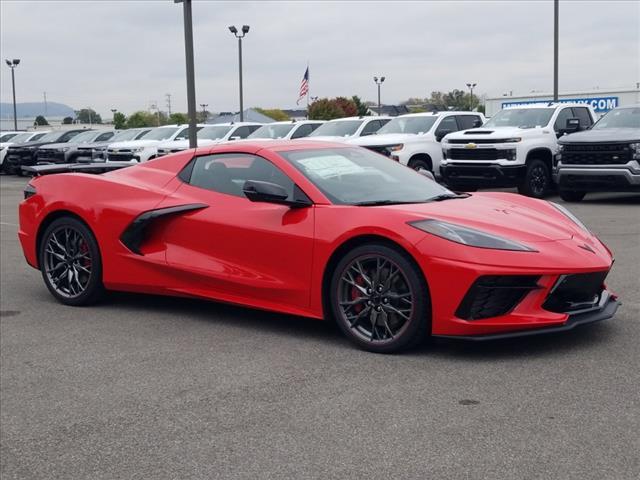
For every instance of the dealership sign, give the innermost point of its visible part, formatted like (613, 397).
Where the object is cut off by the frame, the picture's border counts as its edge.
(599, 104)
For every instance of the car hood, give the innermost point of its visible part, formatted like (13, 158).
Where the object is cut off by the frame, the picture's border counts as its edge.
(35, 144)
(504, 214)
(135, 144)
(53, 146)
(600, 135)
(384, 139)
(492, 133)
(328, 138)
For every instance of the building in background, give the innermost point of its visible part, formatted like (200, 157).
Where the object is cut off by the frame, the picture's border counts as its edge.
(601, 100)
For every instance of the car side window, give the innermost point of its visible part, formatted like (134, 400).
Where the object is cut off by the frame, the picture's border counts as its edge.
(448, 124)
(302, 131)
(583, 115)
(227, 173)
(372, 127)
(465, 122)
(68, 136)
(561, 120)
(105, 136)
(242, 132)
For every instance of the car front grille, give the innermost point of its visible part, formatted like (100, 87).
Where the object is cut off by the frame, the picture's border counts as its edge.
(575, 292)
(463, 141)
(476, 154)
(119, 156)
(598, 154)
(495, 295)
(49, 156)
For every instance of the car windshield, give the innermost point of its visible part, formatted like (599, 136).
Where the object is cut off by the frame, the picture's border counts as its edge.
(356, 176)
(620, 118)
(272, 131)
(414, 125)
(51, 137)
(85, 137)
(520, 117)
(163, 133)
(7, 136)
(22, 137)
(343, 128)
(213, 133)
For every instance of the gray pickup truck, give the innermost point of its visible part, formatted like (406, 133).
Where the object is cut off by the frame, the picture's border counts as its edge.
(605, 158)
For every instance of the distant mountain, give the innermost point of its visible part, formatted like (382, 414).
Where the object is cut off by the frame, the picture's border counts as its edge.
(33, 109)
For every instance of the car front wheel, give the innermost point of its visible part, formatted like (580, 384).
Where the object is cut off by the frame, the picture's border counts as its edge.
(537, 180)
(571, 195)
(70, 262)
(379, 299)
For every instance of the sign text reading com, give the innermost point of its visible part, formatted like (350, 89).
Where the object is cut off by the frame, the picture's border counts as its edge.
(599, 104)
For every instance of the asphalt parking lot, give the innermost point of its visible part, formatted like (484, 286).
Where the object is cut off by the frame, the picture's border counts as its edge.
(154, 388)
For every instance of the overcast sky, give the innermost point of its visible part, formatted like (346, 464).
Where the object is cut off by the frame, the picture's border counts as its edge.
(126, 54)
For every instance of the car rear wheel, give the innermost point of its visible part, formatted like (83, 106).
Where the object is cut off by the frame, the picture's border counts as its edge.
(537, 180)
(380, 300)
(70, 262)
(571, 195)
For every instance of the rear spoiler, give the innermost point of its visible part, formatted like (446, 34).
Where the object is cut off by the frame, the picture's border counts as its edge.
(96, 168)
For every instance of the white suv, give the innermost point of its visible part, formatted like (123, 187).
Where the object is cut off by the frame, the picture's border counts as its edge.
(515, 148)
(210, 134)
(342, 129)
(21, 137)
(414, 139)
(289, 130)
(138, 151)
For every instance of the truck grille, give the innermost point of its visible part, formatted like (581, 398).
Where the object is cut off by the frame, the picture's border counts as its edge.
(495, 295)
(476, 154)
(599, 154)
(44, 155)
(119, 156)
(575, 292)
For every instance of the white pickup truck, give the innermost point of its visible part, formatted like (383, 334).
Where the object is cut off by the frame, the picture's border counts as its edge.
(515, 148)
(414, 139)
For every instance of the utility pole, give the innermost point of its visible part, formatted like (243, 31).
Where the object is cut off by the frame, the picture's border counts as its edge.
(471, 87)
(204, 111)
(168, 95)
(191, 85)
(45, 103)
(556, 14)
(245, 30)
(379, 84)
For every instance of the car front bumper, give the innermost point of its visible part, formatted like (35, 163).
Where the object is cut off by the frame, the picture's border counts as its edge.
(590, 179)
(479, 174)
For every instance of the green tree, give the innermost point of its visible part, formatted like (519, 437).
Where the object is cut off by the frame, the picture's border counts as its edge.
(142, 119)
(361, 108)
(67, 121)
(275, 113)
(349, 107)
(325, 109)
(40, 120)
(119, 120)
(178, 118)
(88, 115)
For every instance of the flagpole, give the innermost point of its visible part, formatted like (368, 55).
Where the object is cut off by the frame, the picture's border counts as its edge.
(308, 89)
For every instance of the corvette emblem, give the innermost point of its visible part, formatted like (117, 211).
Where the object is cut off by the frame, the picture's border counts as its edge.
(470, 145)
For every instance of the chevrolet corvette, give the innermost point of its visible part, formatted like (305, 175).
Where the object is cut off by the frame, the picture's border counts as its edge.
(320, 230)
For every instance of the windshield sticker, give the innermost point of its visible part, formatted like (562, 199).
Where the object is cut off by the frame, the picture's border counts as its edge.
(330, 166)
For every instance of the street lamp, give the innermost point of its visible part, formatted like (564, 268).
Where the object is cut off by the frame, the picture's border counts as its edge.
(240, 36)
(379, 83)
(471, 87)
(204, 111)
(12, 65)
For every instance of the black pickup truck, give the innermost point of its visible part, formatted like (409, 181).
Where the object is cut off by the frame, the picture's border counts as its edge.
(605, 158)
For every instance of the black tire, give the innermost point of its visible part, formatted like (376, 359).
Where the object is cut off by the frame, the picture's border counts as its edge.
(571, 195)
(18, 171)
(381, 320)
(537, 180)
(73, 256)
(420, 163)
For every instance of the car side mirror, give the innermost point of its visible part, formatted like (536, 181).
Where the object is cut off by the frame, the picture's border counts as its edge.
(441, 134)
(268, 192)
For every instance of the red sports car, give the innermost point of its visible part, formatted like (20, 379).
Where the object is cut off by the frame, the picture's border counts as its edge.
(320, 230)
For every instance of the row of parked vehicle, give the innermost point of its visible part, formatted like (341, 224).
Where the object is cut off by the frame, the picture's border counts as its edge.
(533, 147)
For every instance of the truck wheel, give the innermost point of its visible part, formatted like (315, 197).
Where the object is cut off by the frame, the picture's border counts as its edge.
(536, 181)
(418, 164)
(571, 195)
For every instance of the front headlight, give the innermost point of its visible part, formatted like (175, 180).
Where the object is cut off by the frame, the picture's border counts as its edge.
(395, 148)
(64, 149)
(635, 150)
(570, 216)
(468, 236)
(445, 140)
(137, 149)
(560, 148)
(513, 140)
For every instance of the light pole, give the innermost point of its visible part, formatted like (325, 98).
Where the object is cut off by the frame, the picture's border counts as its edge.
(556, 15)
(191, 83)
(471, 87)
(379, 83)
(12, 65)
(204, 111)
(240, 36)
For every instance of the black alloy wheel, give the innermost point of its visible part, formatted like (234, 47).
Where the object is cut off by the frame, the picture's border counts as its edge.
(537, 181)
(70, 262)
(379, 299)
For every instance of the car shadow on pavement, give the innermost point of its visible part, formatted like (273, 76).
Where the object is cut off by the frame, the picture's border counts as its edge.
(613, 199)
(327, 332)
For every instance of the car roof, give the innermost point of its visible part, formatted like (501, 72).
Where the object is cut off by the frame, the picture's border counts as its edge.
(376, 117)
(439, 113)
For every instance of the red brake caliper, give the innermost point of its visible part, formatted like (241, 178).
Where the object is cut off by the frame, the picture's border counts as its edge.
(355, 293)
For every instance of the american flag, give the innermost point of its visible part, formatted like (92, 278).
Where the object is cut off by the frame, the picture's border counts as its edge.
(304, 86)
